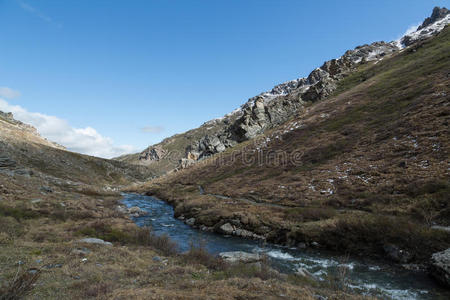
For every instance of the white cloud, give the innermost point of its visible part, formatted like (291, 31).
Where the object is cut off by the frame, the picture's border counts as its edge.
(153, 129)
(6, 92)
(83, 140)
(27, 7)
(410, 30)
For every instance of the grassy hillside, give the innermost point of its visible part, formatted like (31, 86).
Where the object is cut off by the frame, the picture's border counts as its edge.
(356, 172)
(50, 199)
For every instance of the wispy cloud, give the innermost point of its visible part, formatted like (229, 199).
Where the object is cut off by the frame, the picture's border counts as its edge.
(8, 93)
(83, 140)
(153, 129)
(33, 10)
(410, 30)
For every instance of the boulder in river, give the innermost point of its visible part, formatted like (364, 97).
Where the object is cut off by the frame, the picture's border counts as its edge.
(240, 256)
(227, 228)
(136, 212)
(440, 266)
(190, 221)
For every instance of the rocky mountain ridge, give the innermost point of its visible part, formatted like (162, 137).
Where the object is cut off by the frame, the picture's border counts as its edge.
(284, 101)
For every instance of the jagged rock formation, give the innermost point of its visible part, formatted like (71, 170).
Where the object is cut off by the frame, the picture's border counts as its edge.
(270, 109)
(432, 25)
(275, 107)
(152, 154)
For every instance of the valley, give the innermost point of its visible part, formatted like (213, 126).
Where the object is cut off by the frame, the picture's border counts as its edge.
(332, 186)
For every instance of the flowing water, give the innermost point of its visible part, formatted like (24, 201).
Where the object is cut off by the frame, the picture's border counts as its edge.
(365, 276)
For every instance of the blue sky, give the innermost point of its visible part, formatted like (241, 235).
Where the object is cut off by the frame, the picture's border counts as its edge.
(117, 67)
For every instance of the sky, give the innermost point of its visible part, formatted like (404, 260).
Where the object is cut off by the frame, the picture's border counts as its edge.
(112, 77)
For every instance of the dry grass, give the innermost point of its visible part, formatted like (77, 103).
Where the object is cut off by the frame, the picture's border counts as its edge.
(22, 285)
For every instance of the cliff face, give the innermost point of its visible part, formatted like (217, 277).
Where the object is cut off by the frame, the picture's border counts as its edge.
(275, 107)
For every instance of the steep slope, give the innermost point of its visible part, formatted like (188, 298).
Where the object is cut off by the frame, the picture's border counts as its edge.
(364, 171)
(272, 108)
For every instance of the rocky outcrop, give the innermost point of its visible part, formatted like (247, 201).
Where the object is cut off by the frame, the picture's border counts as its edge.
(431, 26)
(186, 163)
(440, 267)
(270, 109)
(284, 101)
(152, 154)
(437, 14)
(229, 229)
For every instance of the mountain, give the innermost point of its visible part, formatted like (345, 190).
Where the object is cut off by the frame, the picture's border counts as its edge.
(353, 158)
(272, 108)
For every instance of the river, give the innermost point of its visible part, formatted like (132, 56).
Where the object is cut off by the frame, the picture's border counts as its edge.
(365, 276)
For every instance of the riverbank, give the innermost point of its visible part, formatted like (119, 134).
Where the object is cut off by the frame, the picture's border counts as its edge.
(362, 275)
(398, 240)
(80, 245)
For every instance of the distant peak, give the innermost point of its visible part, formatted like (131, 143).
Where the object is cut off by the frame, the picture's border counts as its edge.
(438, 14)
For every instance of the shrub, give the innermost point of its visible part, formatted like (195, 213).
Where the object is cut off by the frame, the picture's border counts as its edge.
(18, 213)
(198, 254)
(305, 214)
(20, 286)
(371, 232)
(137, 236)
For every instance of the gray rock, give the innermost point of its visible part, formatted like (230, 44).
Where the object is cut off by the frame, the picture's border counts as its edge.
(226, 228)
(437, 14)
(440, 267)
(302, 272)
(190, 221)
(94, 241)
(186, 163)
(80, 251)
(6, 162)
(24, 172)
(156, 258)
(240, 256)
(136, 212)
(122, 209)
(396, 254)
(153, 154)
(46, 189)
